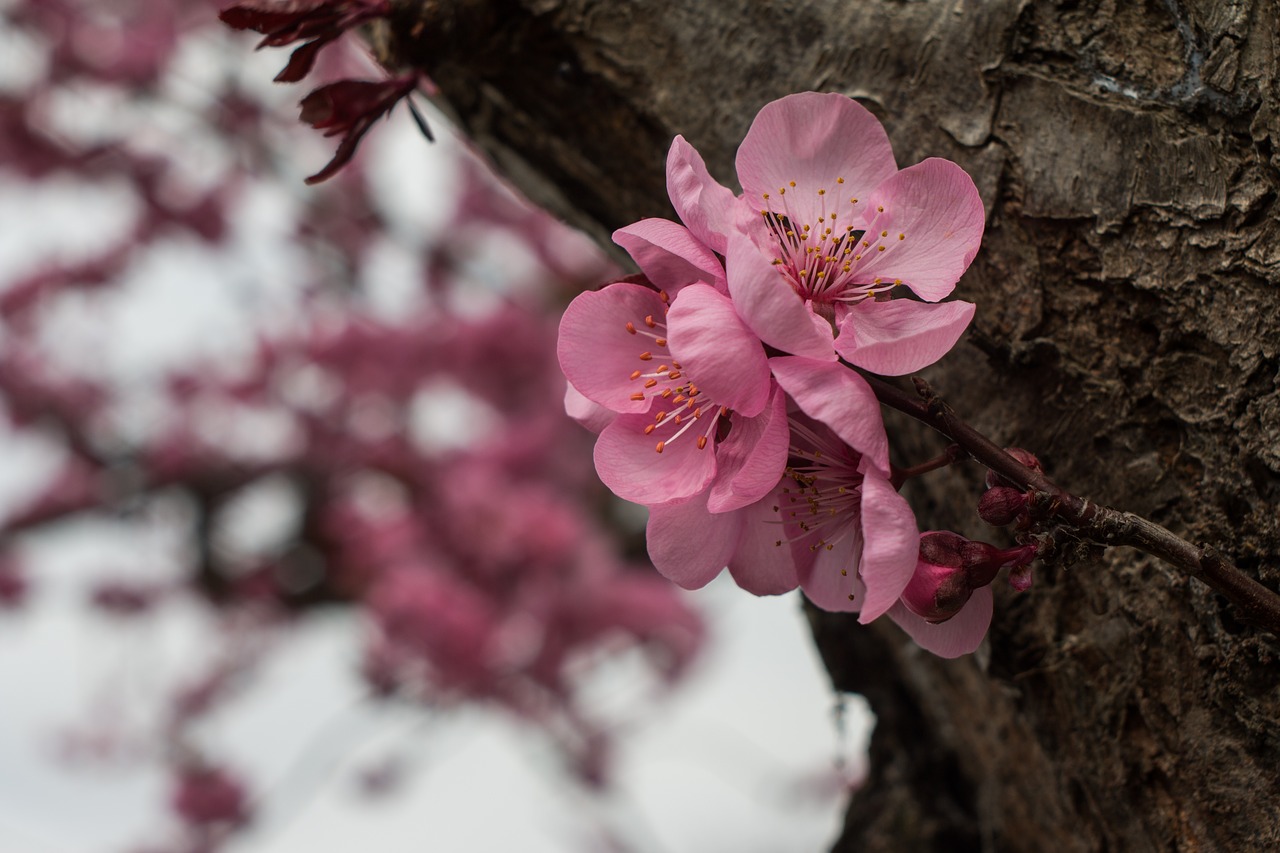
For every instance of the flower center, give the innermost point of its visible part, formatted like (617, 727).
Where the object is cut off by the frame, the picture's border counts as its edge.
(820, 260)
(824, 506)
(683, 404)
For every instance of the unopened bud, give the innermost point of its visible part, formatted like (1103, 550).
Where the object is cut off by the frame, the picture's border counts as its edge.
(1001, 505)
(940, 585)
(950, 567)
(1020, 578)
(1026, 457)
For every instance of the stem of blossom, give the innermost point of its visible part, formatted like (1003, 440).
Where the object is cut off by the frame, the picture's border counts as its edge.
(1096, 523)
(950, 456)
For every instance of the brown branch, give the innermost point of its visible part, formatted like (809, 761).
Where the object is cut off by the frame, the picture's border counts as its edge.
(1088, 520)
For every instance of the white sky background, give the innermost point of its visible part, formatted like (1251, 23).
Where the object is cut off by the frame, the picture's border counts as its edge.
(725, 764)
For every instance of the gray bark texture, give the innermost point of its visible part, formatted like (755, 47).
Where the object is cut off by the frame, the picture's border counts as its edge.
(1128, 332)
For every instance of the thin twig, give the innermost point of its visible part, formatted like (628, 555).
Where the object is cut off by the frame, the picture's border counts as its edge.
(1100, 524)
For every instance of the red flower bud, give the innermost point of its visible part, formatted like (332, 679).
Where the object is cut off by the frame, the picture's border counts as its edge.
(951, 567)
(1026, 457)
(1001, 505)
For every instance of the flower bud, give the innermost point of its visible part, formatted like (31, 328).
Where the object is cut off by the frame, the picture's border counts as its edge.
(940, 585)
(1020, 578)
(1001, 505)
(1026, 457)
(951, 567)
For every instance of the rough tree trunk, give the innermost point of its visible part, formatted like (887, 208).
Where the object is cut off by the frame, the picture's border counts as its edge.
(1128, 332)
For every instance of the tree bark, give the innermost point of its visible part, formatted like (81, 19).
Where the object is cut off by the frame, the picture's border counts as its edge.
(1128, 332)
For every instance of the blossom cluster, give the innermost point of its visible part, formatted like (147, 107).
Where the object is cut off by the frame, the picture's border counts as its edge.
(719, 379)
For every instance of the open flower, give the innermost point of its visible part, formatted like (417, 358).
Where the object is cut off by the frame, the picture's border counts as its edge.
(827, 227)
(690, 383)
(832, 523)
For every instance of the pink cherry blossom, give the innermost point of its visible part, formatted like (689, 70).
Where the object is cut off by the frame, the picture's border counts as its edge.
(690, 383)
(853, 537)
(826, 216)
(670, 256)
(832, 524)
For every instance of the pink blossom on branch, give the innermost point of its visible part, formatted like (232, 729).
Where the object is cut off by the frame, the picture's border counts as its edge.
(832, 524)
(828, 227)
(677, 376)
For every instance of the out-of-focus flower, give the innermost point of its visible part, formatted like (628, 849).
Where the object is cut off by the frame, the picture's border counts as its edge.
(316, 22)
(349, 108)
(205, 796)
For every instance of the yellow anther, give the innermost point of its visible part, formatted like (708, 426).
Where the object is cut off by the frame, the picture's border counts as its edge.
(879, 248)
(897, 281)
(880, 208)
(822, 192)
(766, 195)
(853, 201)
(782, 190)
(791, 184)
(884, 233)
(877, 281)
(902, 236)
(839, 180)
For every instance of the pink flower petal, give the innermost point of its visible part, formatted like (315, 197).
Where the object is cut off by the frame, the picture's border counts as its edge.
(591, 415)
(597, 353)
(688, 545)
(751, 459)
(669, 256)
(892, 546)
(761, 565)
(702, 203)
(901, 336)
(841, 399)
(769, 304)
(717, 350)
(829, 576)
(629, 464)
(929, 219)
(813, 139)
(959, 635)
